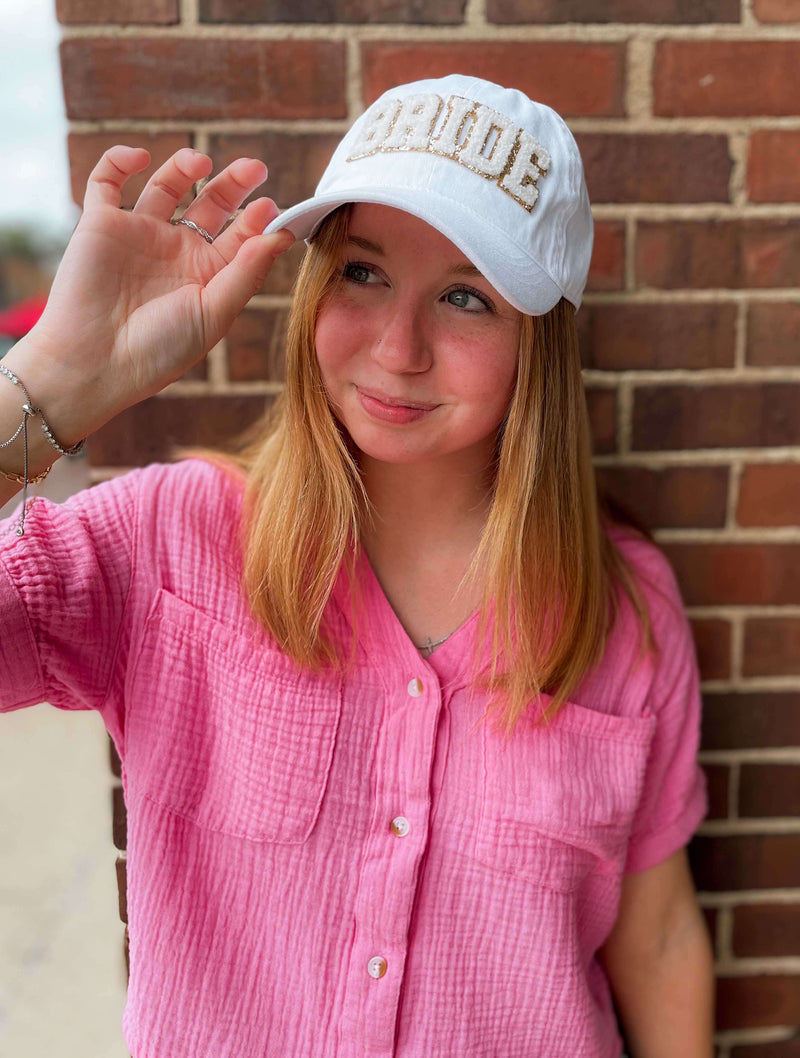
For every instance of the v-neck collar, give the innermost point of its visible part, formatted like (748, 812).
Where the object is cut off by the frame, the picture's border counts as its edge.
(379, 631)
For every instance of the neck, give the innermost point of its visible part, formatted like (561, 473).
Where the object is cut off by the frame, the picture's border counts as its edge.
(427, 523)
(440, 505)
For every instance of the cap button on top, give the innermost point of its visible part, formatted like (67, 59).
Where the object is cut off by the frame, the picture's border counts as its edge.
(376, 967)
(415, 687)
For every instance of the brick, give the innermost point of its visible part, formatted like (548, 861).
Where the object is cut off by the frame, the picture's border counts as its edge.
(85, 150)
(602, 408)
(122, 888)
(732, 862)
(543, 70)
(773, 334)
(771, 646)
(257, 345)
(672, 12)
(656, 336)
(669, 497)
(769, 495)
(718, 253)
(284, 272)
(644, 167)
(197, 373)
(694, 78)
(776, 1049)
(607, 267)
(717, 416)
(750, 574)
(443, 12)
(717, 779)
(773, 166)
(712, 640)
(153, 12)
(150, 431)
(756, 1002)
(196, 79)
(769, 790)
(737, 574)
(777, 11)
(119, 819)
(754, 720)
(295, 161)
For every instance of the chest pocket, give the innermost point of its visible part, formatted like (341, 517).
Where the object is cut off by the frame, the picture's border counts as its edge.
(559, 800)
(225, 731)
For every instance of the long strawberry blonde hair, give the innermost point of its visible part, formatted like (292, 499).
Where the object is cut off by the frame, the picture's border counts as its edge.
(550, 575)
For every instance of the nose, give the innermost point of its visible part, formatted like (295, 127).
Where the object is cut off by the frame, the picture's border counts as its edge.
(402, 342)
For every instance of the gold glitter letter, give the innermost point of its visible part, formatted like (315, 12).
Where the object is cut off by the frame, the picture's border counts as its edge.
(376, 127)
(412, 128)
(451, 135)
(531, 162)
(489, 145)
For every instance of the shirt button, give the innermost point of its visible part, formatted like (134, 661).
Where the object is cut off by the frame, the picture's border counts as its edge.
(415, 687)
(376, 967)
(400, 826)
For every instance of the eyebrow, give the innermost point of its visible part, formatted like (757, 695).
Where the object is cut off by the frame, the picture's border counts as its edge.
(465, 269)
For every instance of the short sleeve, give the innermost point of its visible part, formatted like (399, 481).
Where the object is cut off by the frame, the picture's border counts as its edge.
(674, 800)
(63, 591)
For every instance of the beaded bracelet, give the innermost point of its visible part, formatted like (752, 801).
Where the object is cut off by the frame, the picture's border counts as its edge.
(29, 409)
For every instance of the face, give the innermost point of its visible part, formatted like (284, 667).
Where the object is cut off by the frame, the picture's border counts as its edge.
(417, 351)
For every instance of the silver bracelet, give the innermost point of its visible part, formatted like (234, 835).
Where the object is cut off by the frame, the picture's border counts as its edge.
(29, 409)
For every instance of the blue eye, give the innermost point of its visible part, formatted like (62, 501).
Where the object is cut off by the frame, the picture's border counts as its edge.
(357, 273)
(470, 300)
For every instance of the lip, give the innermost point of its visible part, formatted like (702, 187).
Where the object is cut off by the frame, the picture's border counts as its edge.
(396, 402)
(399, 410)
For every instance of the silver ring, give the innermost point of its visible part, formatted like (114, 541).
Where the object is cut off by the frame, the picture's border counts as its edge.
(197, 228)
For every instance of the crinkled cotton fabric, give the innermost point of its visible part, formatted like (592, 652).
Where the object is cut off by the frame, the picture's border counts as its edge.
(344, 865)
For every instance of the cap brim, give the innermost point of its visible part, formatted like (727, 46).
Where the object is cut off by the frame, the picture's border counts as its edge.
(502, 262)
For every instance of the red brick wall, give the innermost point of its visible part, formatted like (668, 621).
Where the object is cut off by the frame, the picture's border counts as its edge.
(688, 114)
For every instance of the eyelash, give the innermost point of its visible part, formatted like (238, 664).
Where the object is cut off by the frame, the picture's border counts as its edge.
(352, 266)
(487, 304)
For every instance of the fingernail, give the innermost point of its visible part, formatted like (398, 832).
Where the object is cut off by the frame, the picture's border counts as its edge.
(286, 242)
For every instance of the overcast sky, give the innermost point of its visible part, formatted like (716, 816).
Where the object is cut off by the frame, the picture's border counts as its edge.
(33, 128)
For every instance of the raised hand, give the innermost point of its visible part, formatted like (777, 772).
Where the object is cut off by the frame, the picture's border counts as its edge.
(138, 300)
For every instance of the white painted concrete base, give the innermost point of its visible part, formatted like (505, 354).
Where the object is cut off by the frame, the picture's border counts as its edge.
(62, 971)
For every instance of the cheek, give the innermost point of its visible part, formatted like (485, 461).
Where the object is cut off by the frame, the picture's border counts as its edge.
(490, 379)
(337, 337)
(325, 343)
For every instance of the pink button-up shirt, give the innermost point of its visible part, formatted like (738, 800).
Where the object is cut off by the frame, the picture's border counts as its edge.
(351, 865)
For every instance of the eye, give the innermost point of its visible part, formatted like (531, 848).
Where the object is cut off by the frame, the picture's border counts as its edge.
(359, 273)
(468, 299)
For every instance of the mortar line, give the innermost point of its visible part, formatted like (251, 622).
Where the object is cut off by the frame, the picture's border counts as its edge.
(734, 487)
(189, 13)
(477, 32)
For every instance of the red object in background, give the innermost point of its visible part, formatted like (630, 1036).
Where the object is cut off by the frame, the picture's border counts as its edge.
(17, 320)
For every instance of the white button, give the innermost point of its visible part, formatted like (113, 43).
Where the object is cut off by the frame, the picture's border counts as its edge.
(415, 687)
(376, 967)
(400, 826)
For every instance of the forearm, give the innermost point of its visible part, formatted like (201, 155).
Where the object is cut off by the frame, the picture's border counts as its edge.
(665, 997)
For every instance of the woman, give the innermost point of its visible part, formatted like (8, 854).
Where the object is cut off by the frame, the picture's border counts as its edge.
(408, 732)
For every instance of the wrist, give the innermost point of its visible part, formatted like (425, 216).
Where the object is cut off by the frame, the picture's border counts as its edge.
(52, 392)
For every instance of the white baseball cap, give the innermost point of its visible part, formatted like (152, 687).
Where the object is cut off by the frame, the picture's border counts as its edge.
(497, 174)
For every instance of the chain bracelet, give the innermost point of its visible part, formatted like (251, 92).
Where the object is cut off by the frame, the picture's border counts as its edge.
(29, 410)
